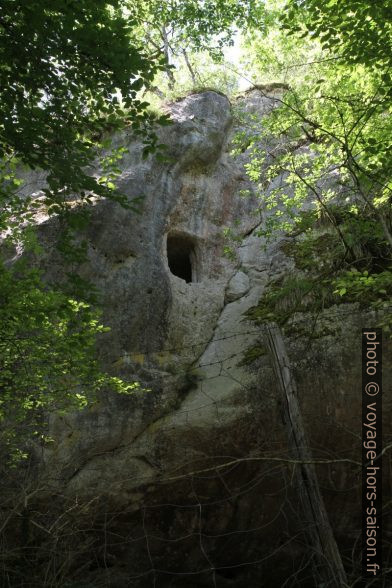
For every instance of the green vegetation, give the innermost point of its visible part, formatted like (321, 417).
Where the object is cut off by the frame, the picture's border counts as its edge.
(62, 65)
(330, 138)
(47, 357)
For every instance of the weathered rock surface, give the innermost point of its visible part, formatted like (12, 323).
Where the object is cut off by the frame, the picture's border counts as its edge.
(151, 465)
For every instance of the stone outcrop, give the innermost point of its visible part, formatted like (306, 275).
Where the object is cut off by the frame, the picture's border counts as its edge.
(184, 480)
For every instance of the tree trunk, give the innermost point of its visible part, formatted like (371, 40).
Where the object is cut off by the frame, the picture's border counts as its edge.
(329, 570)
(166, 50)
(190, 68)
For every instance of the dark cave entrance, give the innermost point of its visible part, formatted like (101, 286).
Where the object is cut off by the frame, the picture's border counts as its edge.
(181, 257)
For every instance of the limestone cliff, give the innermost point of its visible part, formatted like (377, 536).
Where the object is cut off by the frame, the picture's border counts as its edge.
(182, 485)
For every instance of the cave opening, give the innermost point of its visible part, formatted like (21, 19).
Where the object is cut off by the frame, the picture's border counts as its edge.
(181, 257)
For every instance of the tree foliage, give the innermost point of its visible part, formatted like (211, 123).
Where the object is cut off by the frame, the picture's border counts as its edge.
(359, 31)
(329, 137)
(191, 34)
(47, 357)
(63, 64)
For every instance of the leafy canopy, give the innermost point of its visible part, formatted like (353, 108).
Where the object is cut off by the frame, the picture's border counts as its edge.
(62, 67)
(359, 31)
(47, 357)
(330, 138)
(191, 35)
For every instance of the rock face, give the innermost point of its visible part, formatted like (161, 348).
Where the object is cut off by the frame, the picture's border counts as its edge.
(184, 481)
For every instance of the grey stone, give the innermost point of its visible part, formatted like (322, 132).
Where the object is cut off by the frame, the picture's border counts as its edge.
(238, 286)
(185, 343)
